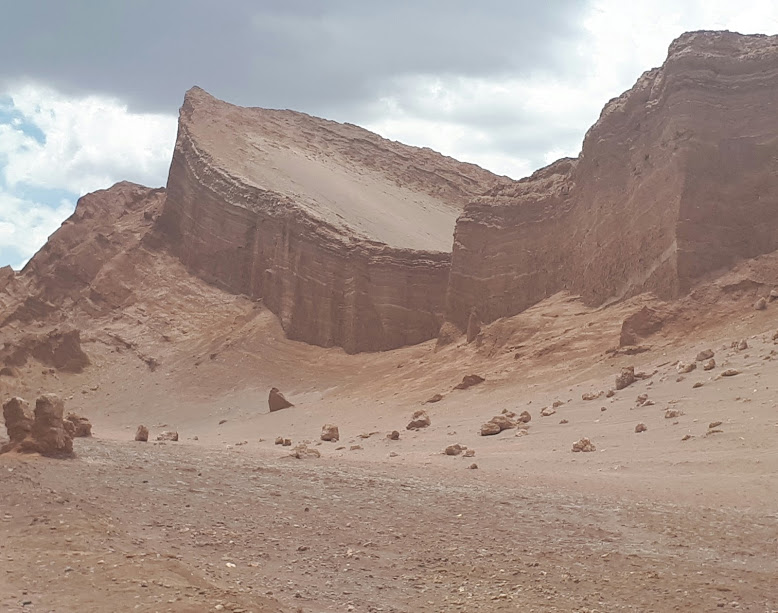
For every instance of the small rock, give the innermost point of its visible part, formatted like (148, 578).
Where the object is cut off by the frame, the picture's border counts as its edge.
(454, 449)
(394, 435)
(686, 437)
(610, 393)
(707, 354)
(525, 417)
(761, 304)
(302, 452)
(142, 434)
(740, 345)
(469, 381)
(773, 295)
(641, 399)
(433, 399)
(393, 454)
(168, 435)
(222, 421)
(279, 440)
(82, 427)
(709, 364)
(547, 412)
(686, 367)
(329, 432)
(672, 413)
(584, 445)
(696, 385)
(287, 442)
(355, 447)
(490, 429)
(714, 424)
(641, 427)
(591, 395)
(603, 409)
(469, 453)
(564, 421)
(420, 419)
(473, 466)
(730, 372)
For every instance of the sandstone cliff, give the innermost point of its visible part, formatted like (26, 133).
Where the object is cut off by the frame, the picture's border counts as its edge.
(344, 235)
(676, 180)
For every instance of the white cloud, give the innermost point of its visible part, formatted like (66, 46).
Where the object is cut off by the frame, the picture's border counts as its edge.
(90, 143)
(25, 226)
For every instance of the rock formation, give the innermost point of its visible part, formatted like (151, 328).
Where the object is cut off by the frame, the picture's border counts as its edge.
(344, 235)
(62, 350)
(45, 433)
(667, 189)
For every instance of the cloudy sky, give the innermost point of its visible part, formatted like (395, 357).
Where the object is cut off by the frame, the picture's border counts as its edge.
(90, 89)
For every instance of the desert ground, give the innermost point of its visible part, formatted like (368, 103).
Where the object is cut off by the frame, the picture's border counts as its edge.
(225, 519)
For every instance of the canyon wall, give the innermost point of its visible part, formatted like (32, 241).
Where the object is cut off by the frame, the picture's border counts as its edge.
(344, 235)
(677, 180)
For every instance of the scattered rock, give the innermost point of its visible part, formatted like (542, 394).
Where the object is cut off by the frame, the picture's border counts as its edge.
(142, 434)
(547, 412)
(709, 432)
(697, 385)
(761, 304)
(393, 454)
(591, 395)
(709, 364)
(168, 435)
(355, 447)
(626, 378)
(469, 453)
(641, 399)
(686, 437)
(303, 452)
(433, 399)
(508, 413)
(473, 466)
(686, 367)
(469, 381)
(490, 429)
(329, 432)
(672, 413)
(505, 422)
(276, 400)
(394, 435)
(610, 393)
(525, 417)
(454, 449)
(740, 345)
(564, 421)
(730, 372)
(714, 424)
(82, 427)
(584, 445)
(222, 421)
(707, 354)
(287, 442)
(279, 440)
(641, 427)
(419, 420)
(603, 409)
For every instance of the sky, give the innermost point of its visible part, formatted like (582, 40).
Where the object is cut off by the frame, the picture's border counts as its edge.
(90, 89)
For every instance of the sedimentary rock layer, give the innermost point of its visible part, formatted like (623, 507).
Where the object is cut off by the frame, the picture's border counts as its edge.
(344, 235)
(676, 180)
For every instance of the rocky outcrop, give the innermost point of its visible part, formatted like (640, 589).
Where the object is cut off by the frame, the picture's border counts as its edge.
(60, 349)
(344, 235)
(675, 181)
(44, 434)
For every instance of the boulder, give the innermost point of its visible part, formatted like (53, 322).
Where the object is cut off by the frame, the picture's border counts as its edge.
(419, 420)
(626, 378)
(142, 434)
(329, 432)
(490, 429)
(18, 419)
(469, 381)
(168, 435)
(276, 400)
(82, 427)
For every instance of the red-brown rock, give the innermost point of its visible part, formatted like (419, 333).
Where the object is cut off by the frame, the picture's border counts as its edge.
(276, 400)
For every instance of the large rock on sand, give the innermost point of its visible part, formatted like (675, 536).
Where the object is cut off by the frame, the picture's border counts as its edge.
(48, 435)
(276, 400)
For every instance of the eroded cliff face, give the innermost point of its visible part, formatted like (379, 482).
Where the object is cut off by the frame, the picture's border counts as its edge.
(342, 234)
(678, 179)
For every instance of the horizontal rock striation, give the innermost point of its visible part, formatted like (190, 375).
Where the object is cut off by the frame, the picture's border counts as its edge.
(344, 235)
(677, 180)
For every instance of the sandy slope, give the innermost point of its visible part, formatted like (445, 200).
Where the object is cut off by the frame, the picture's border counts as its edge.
(646, 523)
